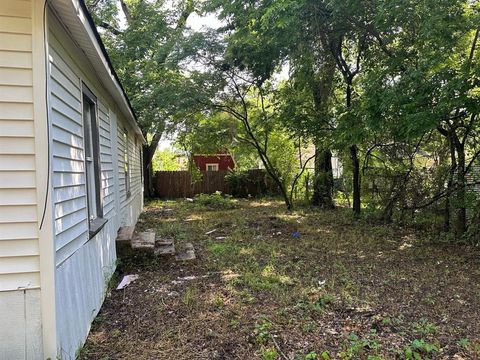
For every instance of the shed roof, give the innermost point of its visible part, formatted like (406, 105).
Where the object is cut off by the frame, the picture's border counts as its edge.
(76, 18)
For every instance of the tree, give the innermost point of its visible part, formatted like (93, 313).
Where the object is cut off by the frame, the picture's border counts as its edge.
(426, 77)
(166, 160)
(144, 49)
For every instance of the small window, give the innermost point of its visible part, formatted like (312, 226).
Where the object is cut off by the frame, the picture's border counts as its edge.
(126, 160)
(92, 161)
(212, 167)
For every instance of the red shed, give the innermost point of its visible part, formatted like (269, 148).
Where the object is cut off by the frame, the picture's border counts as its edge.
(214, 162)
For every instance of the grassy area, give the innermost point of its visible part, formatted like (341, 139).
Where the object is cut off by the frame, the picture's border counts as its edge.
(268, 284)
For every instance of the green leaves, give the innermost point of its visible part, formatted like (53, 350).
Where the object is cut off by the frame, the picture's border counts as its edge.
(145, 40)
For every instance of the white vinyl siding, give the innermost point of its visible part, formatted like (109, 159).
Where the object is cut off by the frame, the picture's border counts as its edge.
(68, 158)
(69, 180)
(106, 161)
(83, 264)
(130, 205)
(19, 248)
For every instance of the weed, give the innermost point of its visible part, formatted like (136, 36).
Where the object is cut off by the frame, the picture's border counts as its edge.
(215, 201)
(262, 331)
(269, 354)
(419, 349)
(219, 302)
(235, 323)
(322, 302)
(476, 348)
(325, 355)
(464, 343)
(429, 300)
(312, 355)
(425, 328)
(392, 321)
(99, 319)
(309, 327)
(357, 347)
(190, 298)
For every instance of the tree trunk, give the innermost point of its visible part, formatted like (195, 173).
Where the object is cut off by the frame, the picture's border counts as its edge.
(461, 209)
(148, 153)
(354, 157)
(451, 175)
(273, 174)
(323, 182)
(356, 180)
(475, 225)
(322, 90)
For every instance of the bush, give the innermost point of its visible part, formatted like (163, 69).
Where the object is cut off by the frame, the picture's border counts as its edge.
(215, 201)
(253, 182)
(238, 183)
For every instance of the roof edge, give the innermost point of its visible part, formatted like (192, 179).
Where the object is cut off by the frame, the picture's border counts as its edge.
(106, 59)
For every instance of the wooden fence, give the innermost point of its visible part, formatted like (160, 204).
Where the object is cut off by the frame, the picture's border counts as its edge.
(178, 184)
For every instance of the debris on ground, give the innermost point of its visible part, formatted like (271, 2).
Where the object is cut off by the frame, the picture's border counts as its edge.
(256, 294)
(127, 280)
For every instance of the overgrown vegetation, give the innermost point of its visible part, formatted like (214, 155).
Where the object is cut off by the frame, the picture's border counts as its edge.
(390, 87)
(307, 284)
(215, 201)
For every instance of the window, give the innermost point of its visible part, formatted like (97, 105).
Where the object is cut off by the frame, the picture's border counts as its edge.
(140, 156)
(92, 161)
(126, 161)
(212, 167)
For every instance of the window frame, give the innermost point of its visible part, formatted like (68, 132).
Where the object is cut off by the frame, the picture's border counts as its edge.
(126, 165)
(95, 222)
(215, 165)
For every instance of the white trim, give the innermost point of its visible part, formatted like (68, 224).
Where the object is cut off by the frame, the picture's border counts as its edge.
(76, 22)
(42, 143)
(214, 165)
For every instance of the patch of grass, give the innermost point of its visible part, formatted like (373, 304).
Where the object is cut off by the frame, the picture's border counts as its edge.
(258, 283)
(190, 298)
(223, 249)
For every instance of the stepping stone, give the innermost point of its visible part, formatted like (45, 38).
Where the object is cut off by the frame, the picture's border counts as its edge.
(163, 242)
(144, 240)
(125, 233)
(164, 247)
(188, 254)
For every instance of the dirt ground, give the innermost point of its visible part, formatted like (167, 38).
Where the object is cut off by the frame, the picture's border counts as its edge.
(269, 284)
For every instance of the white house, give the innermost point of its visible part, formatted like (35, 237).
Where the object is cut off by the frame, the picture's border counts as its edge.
(70, 176)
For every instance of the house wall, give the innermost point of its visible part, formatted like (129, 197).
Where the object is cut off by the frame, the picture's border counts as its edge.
(20, 314)
(225, 162)
(83, 265)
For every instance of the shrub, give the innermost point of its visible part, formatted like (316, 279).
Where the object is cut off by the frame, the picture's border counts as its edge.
(215, 201)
